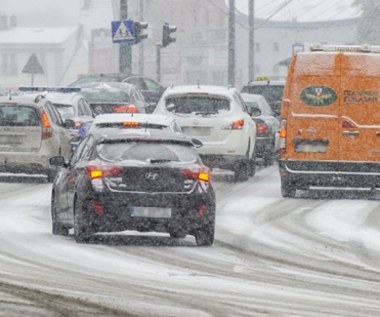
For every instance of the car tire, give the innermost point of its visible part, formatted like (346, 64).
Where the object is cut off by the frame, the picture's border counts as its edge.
(57, 228)
(204, 236)
(242, 171)
(287, 190)
(82, 233)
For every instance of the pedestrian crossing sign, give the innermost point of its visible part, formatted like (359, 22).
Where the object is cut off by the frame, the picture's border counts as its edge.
(123, 32)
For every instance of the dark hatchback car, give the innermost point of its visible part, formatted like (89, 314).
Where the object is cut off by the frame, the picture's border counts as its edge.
(148, 181)
(150, 89)
(113, 97)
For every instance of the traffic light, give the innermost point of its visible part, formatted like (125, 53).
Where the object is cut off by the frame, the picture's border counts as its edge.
(167, 29)
(139, 27)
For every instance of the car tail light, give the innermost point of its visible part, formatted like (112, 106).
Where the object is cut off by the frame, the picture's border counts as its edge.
(283, 135)
(100, 171)
(236, 125)
(125, 108)
(47, 131)
(202, 174)
(77, 124)
(202, 210)
(261, 128)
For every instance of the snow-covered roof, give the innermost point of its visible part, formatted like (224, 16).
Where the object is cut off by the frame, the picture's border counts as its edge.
(135, 117)
(201, 89)
(22, 36)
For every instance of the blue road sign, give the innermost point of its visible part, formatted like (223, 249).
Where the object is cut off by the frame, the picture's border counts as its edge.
(123, 32)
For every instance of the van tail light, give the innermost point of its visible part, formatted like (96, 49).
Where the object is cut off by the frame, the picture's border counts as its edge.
(283, 135)
(347, 124)
(261, 128)
(47, 131)
(101, 171)
(236, 125)
(125, 108)
(202, 174)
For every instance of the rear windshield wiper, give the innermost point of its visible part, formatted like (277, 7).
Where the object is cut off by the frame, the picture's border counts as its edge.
(160, 160)
(205, 113)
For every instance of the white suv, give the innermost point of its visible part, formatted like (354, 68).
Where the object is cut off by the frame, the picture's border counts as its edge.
(218, 117)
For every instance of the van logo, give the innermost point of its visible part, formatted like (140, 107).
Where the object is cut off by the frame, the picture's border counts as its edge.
(318, 96)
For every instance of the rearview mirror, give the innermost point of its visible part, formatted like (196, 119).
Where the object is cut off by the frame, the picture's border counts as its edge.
(197, 143)
(255, 112)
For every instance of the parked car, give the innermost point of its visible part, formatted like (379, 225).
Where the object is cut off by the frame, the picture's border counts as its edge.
(267, 128)
(272, 90)
(72, 106)
(113, 97)
(218, 117)
(150, 89)
(135, 120)
(150, 180)
(31, 131)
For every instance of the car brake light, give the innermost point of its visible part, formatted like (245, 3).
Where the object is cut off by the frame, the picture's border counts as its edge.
(47, 131)
(236, 125)
(96, 172)
(261, 128)
(202, 174)
(130, 124)
(125, 108)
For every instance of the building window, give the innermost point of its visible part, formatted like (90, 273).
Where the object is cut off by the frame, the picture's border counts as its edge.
(276, 46)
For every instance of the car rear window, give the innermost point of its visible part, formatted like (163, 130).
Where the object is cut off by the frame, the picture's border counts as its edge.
(111, 96)
(66, 111)
(18, 116)
(150, 152)
(197, 104)
(272, 93)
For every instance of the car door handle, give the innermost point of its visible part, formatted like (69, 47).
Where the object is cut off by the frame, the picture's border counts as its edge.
(350, 133)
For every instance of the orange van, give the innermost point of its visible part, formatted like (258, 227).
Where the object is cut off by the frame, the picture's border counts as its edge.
(330, 120)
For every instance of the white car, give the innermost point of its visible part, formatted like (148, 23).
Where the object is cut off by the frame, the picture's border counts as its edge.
(135, 120)
(219, 118)
(31, 131)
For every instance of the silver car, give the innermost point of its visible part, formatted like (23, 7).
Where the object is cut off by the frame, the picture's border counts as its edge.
(31, 131)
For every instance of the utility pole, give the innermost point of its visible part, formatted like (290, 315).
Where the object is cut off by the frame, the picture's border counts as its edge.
(251, 48)
(141, 49)
(158, 61)
(125, 56)
(231, 43)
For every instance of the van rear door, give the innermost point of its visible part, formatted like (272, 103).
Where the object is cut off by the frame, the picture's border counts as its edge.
(313, 116)
(360, 89)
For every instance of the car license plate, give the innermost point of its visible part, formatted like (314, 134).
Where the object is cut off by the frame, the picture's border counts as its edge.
(311, 148)
(199, 131)
(10, 139)
(152, 212)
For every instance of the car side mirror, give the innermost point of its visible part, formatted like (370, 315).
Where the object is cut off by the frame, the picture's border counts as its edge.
(255, 112)
(69, 123)
(58, 161)
(197, 143)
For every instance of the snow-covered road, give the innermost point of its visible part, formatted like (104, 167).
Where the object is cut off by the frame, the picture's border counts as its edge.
(272, 257)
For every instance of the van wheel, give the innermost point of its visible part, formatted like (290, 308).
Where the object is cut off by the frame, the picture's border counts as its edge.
(287, 191)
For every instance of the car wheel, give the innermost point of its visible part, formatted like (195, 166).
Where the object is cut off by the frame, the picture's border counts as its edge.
(287, 190)
(242, 171)
(204, 236)
(57, 228)
(82, 233)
